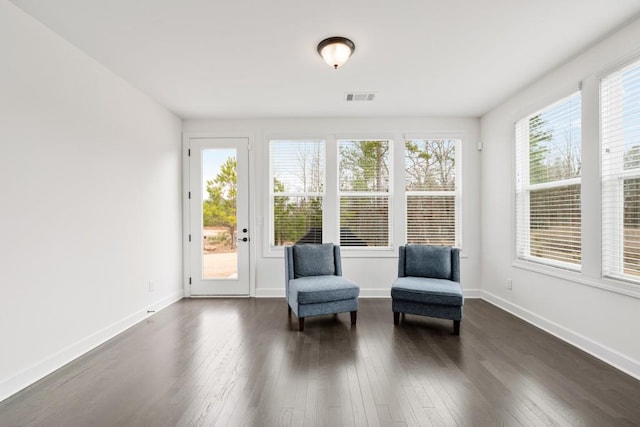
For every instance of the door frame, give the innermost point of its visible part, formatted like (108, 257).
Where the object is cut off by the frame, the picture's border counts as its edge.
(186, 208)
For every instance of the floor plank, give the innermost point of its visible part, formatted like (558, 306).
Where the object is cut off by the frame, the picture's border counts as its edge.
(230, 362)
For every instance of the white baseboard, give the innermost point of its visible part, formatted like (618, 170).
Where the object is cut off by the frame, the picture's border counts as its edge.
(39, 370)
(269, 293)
(375, 293)
(604, 353)
(472, 293)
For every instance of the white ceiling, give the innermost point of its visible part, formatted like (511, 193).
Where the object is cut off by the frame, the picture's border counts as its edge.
(242, 58)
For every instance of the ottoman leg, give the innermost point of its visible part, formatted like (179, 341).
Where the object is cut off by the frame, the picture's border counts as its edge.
(456, 327)
(301, 324)
(396, 318)
(354, 316)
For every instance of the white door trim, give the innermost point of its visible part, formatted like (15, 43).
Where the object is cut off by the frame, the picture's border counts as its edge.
(186, 248)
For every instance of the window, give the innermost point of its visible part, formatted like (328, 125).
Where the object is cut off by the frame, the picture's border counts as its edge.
(548, 202)
(430, 184)
(364, 192)
(620, 132)
(297, 186)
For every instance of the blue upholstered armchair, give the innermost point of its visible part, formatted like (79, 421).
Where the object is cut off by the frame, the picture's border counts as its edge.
(428, 284)
(314, 283)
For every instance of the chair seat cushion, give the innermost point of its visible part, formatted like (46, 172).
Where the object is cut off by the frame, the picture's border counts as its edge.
(426, 290)
(319, 289)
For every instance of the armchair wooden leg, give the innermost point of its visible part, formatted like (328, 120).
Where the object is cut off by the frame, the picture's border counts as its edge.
(354, 316)
(301, 324)
(289, 311)
(396, 318)
(456, 327)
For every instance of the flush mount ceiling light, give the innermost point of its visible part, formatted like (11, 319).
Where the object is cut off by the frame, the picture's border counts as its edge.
(336, 50)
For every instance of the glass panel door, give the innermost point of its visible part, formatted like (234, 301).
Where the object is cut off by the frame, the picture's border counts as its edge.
(219, 216)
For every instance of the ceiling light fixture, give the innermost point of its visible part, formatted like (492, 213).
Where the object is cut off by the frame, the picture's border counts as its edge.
(336, 50)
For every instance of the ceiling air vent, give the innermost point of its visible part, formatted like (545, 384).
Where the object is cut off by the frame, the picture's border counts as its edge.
(362, 96)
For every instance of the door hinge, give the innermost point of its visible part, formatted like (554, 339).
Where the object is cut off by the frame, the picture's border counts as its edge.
(189, 237)
(189, 280)
(189, 194)
(189, 152)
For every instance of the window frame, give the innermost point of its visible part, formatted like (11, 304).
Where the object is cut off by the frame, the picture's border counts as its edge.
(364, 251)
(612, 181)
(457, 192)
(331, 205)
(272, 249)
(524, 188)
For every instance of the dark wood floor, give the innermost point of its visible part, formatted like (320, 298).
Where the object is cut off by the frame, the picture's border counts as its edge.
(241, 362)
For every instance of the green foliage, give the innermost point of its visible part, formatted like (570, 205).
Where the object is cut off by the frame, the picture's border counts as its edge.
(280, 213)
(364, 166)
(220, 209)
(537, 152)
(294, 217)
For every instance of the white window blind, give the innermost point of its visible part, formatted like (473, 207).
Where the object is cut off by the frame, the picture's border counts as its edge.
(620, 133)
(548, 202)
(297, 186)
(364, 192)
(430, 185)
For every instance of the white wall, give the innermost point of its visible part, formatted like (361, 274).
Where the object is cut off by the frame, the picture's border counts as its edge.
(374, 275)
(576, 306)
(90, 200)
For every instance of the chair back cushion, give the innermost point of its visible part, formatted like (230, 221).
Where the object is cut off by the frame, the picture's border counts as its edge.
(313, 260)
(428, 261)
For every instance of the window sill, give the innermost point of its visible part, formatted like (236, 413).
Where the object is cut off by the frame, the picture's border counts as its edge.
(610, 285)
(352, 253)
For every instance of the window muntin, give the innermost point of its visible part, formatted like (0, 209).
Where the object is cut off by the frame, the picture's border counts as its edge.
(430, 188)
(548, 185)
(620, 165)
(297, 191)
(364, 181)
